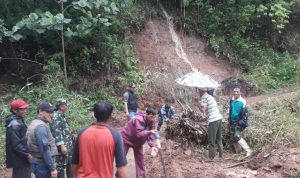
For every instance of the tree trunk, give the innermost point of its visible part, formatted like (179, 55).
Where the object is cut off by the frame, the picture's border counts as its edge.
(63, 45)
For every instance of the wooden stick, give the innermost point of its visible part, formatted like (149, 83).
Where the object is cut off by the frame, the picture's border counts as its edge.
(238, 164)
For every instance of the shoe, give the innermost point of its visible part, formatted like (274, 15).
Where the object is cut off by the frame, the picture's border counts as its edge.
(246, 147)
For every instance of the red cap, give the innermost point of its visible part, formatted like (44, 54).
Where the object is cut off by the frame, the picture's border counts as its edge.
(18, 104)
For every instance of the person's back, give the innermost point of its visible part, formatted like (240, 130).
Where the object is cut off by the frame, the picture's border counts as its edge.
(130, 102)
(96, 147)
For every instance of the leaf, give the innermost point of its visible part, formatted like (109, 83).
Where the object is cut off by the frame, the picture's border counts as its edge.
(60, 16)
(105, 2)
(69, 33)
(16, 37)
(33, 16)
(107, 9)
(40, 31)
(67, 20)
(48, 14)
(15, 29)
(114, 8)
(107, 24)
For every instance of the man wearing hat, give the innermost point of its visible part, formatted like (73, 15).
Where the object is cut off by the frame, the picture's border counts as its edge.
(41, 143)
(209, 106)
(130, 101)
(63, 138)
(17, 152)
(166, 112)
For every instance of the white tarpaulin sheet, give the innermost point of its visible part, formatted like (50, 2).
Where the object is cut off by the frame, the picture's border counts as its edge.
(197, 79)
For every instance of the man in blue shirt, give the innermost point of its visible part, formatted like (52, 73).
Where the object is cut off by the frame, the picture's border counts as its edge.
(41, 143)
(166, 112)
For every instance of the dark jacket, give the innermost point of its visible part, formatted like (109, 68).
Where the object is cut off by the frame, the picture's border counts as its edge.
(132, 102)
(16, 142)
(243, 117)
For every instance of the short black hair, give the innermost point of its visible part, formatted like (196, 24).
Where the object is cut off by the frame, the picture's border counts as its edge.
(102, 111)
(151, 110)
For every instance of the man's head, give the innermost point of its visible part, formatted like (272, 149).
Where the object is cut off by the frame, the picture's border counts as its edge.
(236, 93)
(61, 105)
(202, 91)
(131, 87)
(45, 111)
(19, 107)
(151, 114)
(167, 106)
(103, 111)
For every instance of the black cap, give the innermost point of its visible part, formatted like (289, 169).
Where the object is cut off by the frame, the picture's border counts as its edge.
(45, 106)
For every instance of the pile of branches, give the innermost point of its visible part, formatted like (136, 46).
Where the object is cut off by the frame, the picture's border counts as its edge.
(189, 129)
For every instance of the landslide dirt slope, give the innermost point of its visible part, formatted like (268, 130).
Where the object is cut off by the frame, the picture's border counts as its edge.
(157, 52)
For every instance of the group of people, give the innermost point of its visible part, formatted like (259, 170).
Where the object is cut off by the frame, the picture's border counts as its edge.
(44, 147)
(237, 121)
(48, 149)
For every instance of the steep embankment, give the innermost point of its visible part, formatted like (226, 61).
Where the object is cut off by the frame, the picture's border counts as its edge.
(158, 48)
(161, 50)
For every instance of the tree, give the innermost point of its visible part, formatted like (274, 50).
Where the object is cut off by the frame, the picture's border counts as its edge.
(75, 18)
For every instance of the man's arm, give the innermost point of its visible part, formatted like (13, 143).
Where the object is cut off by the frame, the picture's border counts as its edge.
(74, 169)
(16, 141)
(120, 154)
(41, 135)
(122, 172)
(126, 97)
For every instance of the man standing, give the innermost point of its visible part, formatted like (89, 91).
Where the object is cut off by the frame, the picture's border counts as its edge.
(135, 133)
(17, 152)
(63, 139)
(41, 143)
(238, 120)
(96, 147)
(130, 101)
(166, 112)
(209, 106)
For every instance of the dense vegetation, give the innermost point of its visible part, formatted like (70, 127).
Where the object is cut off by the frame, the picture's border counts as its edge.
(91, 38)
(257, 35)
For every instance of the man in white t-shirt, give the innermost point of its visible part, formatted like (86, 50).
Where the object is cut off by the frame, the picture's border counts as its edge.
(208, 105)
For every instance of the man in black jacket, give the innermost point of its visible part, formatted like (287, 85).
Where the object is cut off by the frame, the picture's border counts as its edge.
(130, 102)
(17, 153)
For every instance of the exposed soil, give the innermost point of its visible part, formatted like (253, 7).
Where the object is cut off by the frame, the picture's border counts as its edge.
(156, 51)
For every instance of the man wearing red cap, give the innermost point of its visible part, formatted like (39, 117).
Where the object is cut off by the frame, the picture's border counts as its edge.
(17, 152)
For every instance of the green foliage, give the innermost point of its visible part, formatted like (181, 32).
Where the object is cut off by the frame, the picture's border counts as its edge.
(79, 113)
(245, 32)
(282, 123)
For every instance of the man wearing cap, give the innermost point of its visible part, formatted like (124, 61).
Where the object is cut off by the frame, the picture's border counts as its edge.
(166, 112)
(130, 101)
(135, 133)
(238, 120)
(209, 106)
(41, 143)
(97, 146)
(63, 138)
(17, 152)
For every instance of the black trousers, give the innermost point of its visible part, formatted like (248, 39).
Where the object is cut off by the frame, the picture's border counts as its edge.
(22, 172)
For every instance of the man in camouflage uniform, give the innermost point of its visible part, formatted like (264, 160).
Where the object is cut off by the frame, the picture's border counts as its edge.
(63, 139)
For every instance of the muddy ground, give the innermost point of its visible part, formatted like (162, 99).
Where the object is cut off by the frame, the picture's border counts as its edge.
(156, 51)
